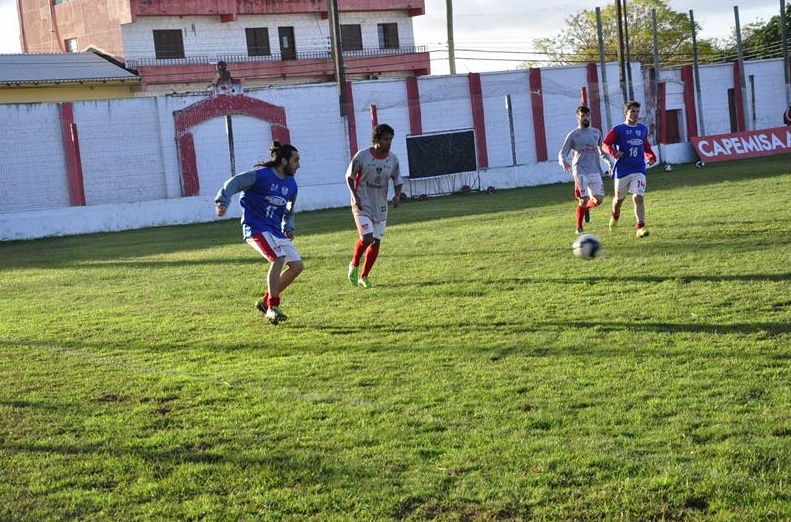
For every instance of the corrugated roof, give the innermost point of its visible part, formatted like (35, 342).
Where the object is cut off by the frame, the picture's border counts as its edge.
(60, 68)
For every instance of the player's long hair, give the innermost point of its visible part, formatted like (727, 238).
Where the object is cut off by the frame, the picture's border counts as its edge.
(277, 153)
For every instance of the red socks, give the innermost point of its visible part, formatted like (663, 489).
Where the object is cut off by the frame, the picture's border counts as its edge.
(370, 257)
(359, 249)
(580, 215)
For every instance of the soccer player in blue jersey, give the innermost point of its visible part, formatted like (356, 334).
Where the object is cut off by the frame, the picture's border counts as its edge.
(268, 196)
(584, 144)
(628, 144)
(368, 177)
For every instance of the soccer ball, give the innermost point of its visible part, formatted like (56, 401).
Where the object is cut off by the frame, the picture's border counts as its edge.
(668, 167)
(700, 164)
(586, 246)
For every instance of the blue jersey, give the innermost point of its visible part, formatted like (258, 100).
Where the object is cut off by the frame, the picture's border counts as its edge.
(267, 200)
(632, 142)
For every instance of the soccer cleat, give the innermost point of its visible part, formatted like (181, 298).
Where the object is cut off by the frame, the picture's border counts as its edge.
(579, 230)
(587, 215)
(353, 271)
(260, 305)
(613, 223)
(274, 315)
(641, 232)
(365, 283)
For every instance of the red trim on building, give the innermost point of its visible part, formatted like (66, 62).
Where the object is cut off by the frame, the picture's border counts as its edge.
(188, 163)
(266, 7)
(690, 109)
(71, 151)
(738, 97)
(537, 103)
(594, 100)
(351, 121)
(413, 104)
(417, 64)
(214, 107)
(478, 119)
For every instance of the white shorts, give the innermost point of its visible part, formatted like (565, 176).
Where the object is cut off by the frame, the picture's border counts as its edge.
(272, 247)
(365, 225)
(632, 183)
(590, 185)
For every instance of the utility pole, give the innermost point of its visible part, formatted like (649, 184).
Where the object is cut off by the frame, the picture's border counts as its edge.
(701, 119)
(621, 59)
(451, 44)
(657, 67)
(742, 72)
(337, 53)
(629, 86)
(603, 65)
(784, 39)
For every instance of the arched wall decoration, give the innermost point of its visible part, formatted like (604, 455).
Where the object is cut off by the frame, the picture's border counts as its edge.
(187, 118)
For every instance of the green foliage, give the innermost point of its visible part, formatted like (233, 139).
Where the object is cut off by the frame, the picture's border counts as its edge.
(489, 374)
(578, 42)
(761, 40)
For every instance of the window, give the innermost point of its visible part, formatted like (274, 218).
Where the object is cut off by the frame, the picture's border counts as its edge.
(351, 37)
(168, 43)
(257, 41)
(72, 46)
(288, 47)
(388, 36)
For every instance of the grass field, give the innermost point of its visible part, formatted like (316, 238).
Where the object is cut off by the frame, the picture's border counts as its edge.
(489, 375)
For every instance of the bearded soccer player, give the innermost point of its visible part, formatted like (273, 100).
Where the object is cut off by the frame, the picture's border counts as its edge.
(585, 145)
(269, 193)
(368, 177)
(628, 144)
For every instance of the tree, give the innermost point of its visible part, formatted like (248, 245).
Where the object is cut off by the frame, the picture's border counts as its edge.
(761, 40)
(578, 42)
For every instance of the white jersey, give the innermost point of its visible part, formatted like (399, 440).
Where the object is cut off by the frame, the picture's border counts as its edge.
(371, 176)
(585, 146)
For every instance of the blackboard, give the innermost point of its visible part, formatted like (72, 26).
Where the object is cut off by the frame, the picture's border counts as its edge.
(441, 153)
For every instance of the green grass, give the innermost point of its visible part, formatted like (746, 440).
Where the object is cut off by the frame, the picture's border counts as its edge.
(489, 375)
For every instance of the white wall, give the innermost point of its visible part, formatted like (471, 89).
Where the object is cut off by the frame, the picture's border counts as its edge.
(130, 162)
(205, 36)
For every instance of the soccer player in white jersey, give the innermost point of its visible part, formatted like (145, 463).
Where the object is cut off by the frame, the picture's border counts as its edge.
(585, 146)
(368, 177)
(628, 144)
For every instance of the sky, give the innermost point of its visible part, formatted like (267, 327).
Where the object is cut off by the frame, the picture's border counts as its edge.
(505, 29)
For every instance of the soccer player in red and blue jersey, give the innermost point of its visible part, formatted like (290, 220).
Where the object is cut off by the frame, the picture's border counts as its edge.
(628, 144)
(268, 196)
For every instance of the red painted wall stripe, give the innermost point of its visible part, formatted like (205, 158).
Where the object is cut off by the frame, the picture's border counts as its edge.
(351, 121)
(478, 119)
(594, 95)
(690, 110)
(190, 182)
(413, 103)
(537, 102)
(71, 151)
(662, 110)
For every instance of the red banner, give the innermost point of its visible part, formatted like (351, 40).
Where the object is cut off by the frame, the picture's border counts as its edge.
(740, 145)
